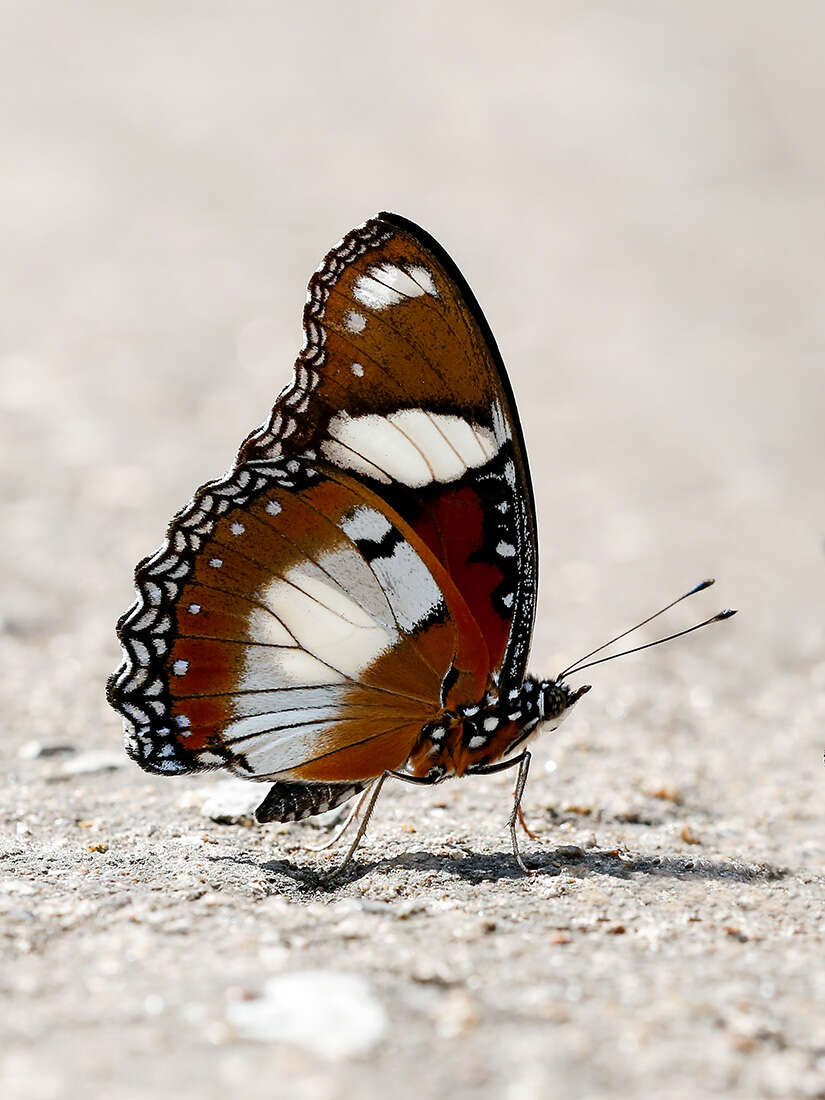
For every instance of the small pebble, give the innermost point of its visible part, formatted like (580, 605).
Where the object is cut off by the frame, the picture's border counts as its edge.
(569, 851)
(329, 1014)
(233, 802)
(667, 794)
(33, 750)
(88, 763)
(735, 933)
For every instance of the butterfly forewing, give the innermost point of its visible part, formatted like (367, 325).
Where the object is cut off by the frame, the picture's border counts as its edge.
(401, 383)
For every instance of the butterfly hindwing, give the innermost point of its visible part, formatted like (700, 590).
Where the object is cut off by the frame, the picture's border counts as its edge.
(292, 626)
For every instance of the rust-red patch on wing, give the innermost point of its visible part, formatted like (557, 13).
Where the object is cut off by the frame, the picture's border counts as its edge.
(452, 526)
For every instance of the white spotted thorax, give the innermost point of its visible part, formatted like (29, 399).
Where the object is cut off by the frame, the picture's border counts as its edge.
(501, 724)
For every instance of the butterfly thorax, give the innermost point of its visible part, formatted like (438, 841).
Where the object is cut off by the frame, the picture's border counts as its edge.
(485, 732)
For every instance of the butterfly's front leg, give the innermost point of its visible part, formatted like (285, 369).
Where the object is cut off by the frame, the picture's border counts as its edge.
(523, 763)
(521, 781)
(525, 826)
(435, 775)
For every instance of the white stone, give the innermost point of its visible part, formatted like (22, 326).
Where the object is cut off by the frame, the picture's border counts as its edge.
(98, 760)
(330, 1014)
(233, 801)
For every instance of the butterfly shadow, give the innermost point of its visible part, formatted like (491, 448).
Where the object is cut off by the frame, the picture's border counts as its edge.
(495, 866)
(475, 867)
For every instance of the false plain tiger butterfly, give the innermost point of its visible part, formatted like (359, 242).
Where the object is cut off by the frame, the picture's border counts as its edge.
(355, 599)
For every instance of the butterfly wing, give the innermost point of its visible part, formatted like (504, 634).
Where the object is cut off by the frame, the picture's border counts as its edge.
(370, 559)
(400, 382)
(292, 625)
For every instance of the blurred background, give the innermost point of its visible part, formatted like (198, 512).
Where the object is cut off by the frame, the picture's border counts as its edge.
(635, 193)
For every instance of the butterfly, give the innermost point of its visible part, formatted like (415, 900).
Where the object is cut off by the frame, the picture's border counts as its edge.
(356, 598)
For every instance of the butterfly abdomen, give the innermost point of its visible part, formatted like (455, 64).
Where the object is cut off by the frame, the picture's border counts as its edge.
(296, 801)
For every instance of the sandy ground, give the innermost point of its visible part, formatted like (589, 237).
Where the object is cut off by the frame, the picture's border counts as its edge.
(635, 192)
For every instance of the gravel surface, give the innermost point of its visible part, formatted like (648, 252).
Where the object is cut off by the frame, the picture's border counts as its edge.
(635, 193)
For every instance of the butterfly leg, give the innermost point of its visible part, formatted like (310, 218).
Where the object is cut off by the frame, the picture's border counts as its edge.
(435, 776)
(523, 763)
(351, 816)
(362, 828)
(521, 780)
(524, 825)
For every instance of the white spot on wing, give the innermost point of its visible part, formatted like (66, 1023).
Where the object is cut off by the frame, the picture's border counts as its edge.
(266, 668)
(179, 668)
(265, 628)
(396, 277)
(287, 699)
(501, 425)
(326, 592)
(325, 621)
(423, 430)
(424, 279)
(464, 437)
(237, 529)
(346, 459)
(273, 507)
(366, 523)
(269, 754)
(374, 294)
(486, 441)
(347, 567)
(210, 758)
(411, 446)
(357, 370)
(277, 721)
(409, 586)
(378, 441)
(387, 285)
(354, 321)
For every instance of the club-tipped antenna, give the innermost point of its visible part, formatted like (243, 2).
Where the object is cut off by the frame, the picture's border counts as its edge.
(726, 614)
(696, 588)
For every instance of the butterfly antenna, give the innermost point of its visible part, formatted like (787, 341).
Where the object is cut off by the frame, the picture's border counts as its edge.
(696, 588)
(726, 614)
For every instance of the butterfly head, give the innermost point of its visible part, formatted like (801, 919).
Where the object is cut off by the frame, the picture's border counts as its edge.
(556, 698)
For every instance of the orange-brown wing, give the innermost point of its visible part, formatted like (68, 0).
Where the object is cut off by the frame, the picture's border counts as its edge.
(400, 382)
(292, 625)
